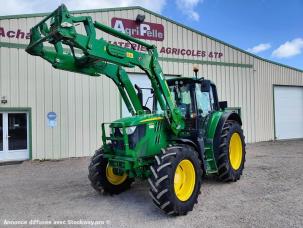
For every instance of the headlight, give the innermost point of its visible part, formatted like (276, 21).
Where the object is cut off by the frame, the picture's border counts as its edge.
(129, 130)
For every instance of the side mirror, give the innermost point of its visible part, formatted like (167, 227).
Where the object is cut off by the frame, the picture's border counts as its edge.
(223, 105)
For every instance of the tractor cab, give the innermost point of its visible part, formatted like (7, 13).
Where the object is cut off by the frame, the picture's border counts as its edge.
(196, 99)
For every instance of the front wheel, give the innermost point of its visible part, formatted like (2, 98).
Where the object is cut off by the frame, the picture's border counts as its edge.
(176, 180)
(103, 177)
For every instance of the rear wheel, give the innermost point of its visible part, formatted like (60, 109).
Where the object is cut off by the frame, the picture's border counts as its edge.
(102, 176)
(231, 152)
(176, 179)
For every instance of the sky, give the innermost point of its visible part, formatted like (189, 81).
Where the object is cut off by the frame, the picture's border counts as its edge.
(271, 29)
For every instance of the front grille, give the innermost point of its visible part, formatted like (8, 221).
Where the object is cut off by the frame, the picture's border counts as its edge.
(118, 144)
(133, 139)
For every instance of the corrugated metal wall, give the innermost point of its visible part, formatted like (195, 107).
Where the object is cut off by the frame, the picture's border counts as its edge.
(83, 103)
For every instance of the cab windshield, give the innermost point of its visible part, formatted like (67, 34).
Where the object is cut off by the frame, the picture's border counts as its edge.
(185, 94)
(182, 95)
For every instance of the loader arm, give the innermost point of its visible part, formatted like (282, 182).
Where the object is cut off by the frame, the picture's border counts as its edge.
(87, 54)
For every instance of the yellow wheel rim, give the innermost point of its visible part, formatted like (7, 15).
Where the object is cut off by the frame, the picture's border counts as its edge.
(113, 178)
(235, 151)
(184, 180)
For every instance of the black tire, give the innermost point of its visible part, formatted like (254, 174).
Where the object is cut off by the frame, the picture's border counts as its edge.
(98, 179)
(226, 172)
(162, 179)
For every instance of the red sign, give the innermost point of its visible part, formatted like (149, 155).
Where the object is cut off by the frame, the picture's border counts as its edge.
(145, 30)
(19, 34)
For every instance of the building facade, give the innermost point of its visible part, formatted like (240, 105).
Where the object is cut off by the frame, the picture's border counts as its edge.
(50, 114)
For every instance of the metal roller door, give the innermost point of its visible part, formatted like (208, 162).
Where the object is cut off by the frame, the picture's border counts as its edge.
(288, 112)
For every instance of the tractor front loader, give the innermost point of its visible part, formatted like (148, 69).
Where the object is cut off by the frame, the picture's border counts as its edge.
(187, 135)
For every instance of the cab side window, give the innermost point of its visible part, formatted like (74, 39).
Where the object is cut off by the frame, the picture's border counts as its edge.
(204, 101)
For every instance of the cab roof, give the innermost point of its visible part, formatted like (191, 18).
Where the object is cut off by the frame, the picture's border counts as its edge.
(186, 80)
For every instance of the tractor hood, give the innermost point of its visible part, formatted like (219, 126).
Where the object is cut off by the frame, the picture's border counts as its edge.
(136, 120)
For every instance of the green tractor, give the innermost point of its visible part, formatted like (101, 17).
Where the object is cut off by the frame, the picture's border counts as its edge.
(188, 133)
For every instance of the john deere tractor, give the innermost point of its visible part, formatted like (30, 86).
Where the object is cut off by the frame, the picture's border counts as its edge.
(188, 133)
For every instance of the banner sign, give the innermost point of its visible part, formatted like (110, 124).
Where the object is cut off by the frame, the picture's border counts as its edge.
(153, 31)
(173, 50)
(145, 30)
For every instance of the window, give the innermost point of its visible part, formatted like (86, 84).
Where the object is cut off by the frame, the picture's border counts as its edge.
(204, 101)
(1, 132)
(182, 97)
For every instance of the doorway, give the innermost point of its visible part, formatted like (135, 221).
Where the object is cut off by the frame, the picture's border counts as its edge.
(14, 136)
(288, 108)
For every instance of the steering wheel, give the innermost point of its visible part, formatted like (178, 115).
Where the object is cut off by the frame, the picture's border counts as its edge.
(148, 111)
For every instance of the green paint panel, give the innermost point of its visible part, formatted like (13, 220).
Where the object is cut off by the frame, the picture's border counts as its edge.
(204, 62)
(213, 121)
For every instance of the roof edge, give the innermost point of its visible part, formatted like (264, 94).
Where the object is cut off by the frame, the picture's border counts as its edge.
(18, 16)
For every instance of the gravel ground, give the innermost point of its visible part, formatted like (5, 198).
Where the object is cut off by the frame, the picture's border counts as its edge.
(269, 194)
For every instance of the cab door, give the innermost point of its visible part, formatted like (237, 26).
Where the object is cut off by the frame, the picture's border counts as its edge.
(205, 100)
